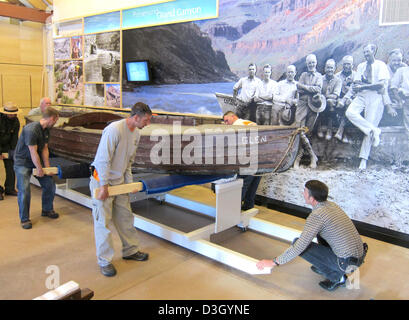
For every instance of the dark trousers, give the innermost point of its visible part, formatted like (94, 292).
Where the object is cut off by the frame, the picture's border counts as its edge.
(248, 192)
(9, 184)
(247, 111)
(24, 192)
(321, 256)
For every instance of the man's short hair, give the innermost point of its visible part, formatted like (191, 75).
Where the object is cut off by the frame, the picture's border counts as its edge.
(252, 64)
(311, 56)
(347, 59)
(42, 101)
(229, 113)
(373, 47)
(317, 189)
(50, 112)
(396, 51)
(140, 109)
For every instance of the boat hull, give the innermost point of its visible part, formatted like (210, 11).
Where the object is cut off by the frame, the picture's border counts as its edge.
(189, 145)
(203, 151)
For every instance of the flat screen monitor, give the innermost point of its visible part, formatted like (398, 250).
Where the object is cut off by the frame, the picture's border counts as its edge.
(138, 71)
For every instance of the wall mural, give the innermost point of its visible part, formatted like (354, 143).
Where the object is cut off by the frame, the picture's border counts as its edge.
(193, 61)
(69, 82)
(94, 94)
(102, 57)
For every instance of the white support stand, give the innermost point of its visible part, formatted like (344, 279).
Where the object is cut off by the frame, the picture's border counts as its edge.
(66, 190)
(227, 214)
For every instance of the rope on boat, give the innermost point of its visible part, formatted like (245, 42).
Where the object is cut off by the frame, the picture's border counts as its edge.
(290, 145)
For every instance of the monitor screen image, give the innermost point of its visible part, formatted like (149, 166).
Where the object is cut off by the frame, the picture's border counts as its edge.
(138, 71)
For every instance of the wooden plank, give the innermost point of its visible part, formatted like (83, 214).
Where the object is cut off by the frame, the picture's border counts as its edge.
(23, 13)
(61, 292)
(47, 171)
(121, 189)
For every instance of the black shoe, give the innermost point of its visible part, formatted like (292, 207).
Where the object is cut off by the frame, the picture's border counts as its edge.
(332, 285)
(11, 193)
(108, 271)
(138, 256)
(1, 196)
(26, 224)
(316, 270)
(50, 214)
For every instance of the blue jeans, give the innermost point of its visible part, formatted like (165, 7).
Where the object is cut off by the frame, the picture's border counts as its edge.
(321, 256)
(47, 184)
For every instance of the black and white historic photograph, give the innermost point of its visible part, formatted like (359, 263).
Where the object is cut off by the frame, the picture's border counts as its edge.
(69, 85)
(304, 64)
(102, 57)
(94, 95)
(62, 49)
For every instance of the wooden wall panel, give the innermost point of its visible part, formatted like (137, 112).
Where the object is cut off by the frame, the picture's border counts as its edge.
(17, 88)
(21, 63)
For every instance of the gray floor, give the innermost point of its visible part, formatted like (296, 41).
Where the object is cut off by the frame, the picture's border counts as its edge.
(30, 259)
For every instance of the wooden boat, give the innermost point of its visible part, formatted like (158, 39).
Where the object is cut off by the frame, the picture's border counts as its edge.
(182, 143)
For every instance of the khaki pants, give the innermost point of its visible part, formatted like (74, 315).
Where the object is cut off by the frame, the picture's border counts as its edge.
(118, 210)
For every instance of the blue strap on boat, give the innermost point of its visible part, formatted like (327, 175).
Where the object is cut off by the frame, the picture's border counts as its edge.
(168, 183)
(79, 170)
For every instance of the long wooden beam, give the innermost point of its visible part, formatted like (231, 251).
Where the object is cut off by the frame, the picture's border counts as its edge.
(23, 13)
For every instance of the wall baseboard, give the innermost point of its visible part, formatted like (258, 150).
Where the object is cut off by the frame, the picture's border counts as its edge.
(364, 229)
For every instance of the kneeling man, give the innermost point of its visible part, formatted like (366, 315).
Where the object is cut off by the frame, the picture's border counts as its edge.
(339, 249)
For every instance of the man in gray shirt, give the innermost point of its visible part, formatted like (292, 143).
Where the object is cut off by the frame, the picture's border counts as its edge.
(112, 166)
(339, 249)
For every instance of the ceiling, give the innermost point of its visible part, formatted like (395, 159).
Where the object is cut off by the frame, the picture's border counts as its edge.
(23, 10)
(45, 5)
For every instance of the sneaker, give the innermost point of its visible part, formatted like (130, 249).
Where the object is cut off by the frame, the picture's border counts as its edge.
(26, 224)
(50, 214)
(332, 285)
(316, 270)
(138, 256)
(108, 271)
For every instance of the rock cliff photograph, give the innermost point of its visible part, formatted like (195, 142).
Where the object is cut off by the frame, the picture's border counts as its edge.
(192, 61)
(102, 57)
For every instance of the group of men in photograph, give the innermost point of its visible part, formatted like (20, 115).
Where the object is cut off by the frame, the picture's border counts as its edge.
(326, 103)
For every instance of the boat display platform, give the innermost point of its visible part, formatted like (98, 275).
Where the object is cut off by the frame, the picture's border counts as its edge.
(188, 222)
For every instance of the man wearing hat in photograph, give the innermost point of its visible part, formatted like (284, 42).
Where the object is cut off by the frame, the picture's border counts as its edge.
(9, 128)
(310, 103)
